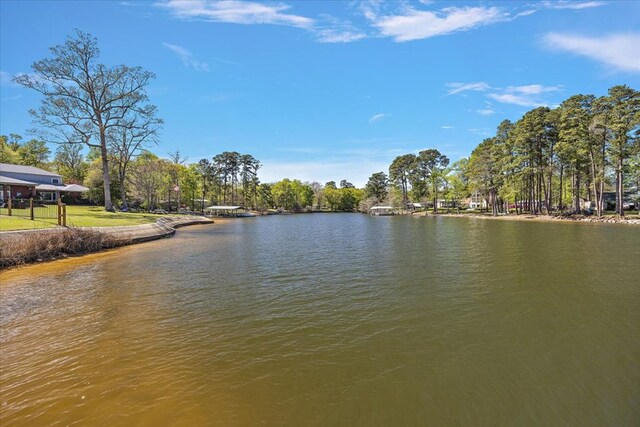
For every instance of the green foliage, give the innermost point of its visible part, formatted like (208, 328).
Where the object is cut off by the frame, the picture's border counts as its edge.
(31, 153)
(7, 152)
(292, 195)
(377, 187)
(401, 170)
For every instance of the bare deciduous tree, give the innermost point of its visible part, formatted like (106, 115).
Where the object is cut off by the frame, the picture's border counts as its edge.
(82, 98)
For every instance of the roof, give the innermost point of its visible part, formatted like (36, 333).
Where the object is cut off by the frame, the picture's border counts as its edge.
(381, 208)
(50, 187)
(32, 170)
(75, 188)
(223, 208)
(13, 181)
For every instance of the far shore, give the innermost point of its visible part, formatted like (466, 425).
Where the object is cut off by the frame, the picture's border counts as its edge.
(631, 219)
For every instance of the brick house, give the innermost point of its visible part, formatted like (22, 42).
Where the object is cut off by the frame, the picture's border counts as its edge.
(26, 182)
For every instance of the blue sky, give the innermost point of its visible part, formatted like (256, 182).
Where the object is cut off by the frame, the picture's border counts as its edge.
(328, 90)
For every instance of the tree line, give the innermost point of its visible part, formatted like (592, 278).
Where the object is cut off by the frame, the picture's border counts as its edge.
(549, 160)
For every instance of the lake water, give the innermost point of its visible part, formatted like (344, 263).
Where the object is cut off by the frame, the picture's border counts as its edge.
(331, 319)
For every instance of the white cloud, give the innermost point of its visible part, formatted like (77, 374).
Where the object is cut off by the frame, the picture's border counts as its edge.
(415, 24)
(532, 89)
(377, 117)
(187, 58)
(237, 12)
(575, 5)
(328, 29)
(525, 13)
(517, 99)
(446, 127)
(331, 35)
(525, 96)
(619, 51)
(532, 95)
(462, 87)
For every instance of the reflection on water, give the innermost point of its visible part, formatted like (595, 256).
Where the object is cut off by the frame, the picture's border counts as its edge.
(331, 319)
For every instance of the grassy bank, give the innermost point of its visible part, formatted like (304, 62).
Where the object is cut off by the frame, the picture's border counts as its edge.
(32, 247)
(77, 216)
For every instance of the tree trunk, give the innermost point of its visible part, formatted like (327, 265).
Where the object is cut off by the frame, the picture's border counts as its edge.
(123, 192)
(108, 205)
(620, 188)
(576, 195)
(560, 204)
(594, 177)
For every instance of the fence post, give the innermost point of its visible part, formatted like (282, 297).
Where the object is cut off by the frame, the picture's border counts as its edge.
(59, 212)
(64, 215)
(9, 205)
(31, 208)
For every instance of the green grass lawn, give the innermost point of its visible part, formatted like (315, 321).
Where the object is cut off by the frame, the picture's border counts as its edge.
(77, 216)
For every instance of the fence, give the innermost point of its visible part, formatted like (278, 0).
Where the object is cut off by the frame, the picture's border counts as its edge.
(35, 209)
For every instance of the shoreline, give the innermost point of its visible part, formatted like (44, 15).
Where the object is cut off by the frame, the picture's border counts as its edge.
(24, 247)
(629, 220)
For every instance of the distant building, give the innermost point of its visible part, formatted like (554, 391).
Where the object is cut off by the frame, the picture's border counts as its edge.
(26, 182)
(382, 210)
(477, 201)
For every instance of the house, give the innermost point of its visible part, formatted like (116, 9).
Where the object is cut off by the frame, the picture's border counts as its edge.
(476, 201)
(412, 206)
(24, 182)
(445, 204)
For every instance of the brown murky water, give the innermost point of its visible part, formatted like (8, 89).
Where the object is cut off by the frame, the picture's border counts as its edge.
(331, 320)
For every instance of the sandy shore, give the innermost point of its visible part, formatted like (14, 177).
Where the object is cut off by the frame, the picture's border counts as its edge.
(630, 219)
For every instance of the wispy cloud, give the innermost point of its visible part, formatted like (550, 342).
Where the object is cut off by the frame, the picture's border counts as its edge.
(619, 51)
(415, 24)
(532, 89)
(524, 96)
(532, 95)
(455, 88)
(575, 5)
(516, 99)
(326, 28)
(236, 12)
(333, 35)
(329, 29)
(187, 58)
(377, 117)
(446, 127)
